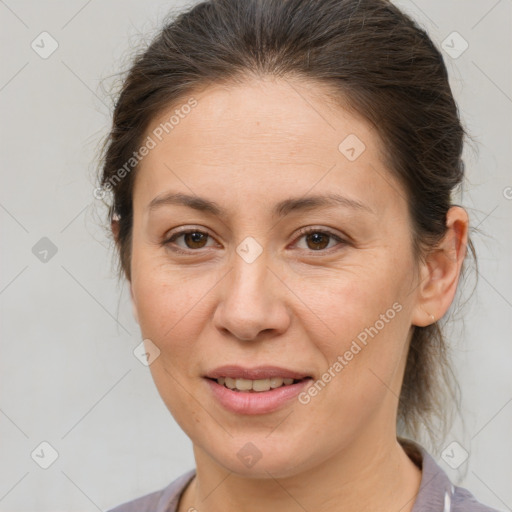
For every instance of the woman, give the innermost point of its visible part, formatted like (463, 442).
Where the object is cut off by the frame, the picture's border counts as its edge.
(282, 174)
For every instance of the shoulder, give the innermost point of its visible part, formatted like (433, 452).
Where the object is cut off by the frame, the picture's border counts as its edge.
(163, 500)
(464, 501)
(436, 490)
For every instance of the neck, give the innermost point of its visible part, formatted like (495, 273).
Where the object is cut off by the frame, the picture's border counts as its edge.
(367, 476)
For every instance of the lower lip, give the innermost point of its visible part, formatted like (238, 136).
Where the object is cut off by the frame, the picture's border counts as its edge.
(260, 402)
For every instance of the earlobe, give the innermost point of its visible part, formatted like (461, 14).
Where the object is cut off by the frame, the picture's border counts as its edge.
(114, 226)
(441, 270)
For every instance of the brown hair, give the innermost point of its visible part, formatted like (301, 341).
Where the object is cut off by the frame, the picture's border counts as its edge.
(375, 59)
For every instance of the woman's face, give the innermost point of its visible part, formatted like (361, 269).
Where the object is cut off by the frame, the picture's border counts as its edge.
(248, 288)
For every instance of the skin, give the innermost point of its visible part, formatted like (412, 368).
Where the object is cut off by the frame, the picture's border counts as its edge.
(299, 305)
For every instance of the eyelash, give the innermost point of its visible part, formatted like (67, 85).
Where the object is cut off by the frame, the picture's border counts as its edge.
(303, 232)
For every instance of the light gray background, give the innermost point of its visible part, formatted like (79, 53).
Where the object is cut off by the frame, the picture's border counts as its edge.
(67, 372)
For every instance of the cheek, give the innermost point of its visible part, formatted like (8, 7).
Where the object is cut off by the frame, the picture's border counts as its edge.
(353, 298)
(158, 297)
(367, 312)
(172, 305)
(170, 314)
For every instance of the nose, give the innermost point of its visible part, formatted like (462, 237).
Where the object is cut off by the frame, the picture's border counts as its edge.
(252, 302)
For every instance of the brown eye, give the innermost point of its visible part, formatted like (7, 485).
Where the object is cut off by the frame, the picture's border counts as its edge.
(192, 238)
(195, 239)
(318, 240)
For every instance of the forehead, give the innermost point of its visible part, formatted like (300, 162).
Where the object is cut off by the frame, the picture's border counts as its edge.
(270, 137)
(276, 114)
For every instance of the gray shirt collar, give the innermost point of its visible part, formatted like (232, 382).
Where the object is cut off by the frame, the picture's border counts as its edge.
(435, 492)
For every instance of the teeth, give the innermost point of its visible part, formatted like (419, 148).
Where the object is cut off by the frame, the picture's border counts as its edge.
(229, 383)
(261, 384)
(275, 382)
(254, 385)
(243, 384)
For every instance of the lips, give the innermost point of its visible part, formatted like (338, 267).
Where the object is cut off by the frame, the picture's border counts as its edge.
(257, 373)
(258, 390)
(253, 386)
(250, 402)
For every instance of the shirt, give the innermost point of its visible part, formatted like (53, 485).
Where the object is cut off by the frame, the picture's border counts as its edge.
(436, 492)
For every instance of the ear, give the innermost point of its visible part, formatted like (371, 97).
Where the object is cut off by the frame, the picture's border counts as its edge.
(440, 272)
(114, 226)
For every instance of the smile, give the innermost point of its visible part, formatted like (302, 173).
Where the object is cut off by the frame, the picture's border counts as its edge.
(259, 385)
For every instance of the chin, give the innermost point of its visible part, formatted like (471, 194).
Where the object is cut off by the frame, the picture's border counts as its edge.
(259, 457)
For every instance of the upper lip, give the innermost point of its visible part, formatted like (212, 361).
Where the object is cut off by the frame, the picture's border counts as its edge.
(258, 372)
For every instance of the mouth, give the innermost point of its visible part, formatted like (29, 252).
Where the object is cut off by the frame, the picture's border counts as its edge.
(255, 386)
(266, 392)
(256, 390)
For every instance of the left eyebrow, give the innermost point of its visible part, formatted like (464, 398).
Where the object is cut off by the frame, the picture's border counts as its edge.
(280, 209)
(319, 201)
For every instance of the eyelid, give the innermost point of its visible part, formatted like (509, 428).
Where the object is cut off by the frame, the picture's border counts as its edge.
(183, 231)
(342, 240)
